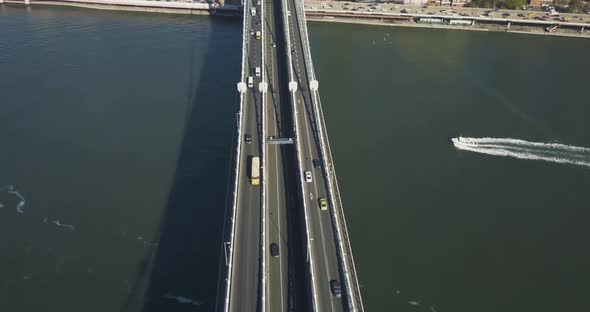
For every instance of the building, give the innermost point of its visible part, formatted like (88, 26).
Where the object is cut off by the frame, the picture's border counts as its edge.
(538, 3)
(415, 2)
(459, 2)
(451, 2)
(442, 2)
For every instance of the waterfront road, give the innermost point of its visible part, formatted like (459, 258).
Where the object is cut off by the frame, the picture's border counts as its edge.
(323, 244)
(245, 276)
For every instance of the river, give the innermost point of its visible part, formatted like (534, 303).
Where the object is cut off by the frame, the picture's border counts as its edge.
(117, 133)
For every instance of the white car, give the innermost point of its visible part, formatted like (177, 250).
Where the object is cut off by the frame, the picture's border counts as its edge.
(308, 176)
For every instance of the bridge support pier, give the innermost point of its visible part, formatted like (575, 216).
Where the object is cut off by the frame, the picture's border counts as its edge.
(581, 30)
(1, 1)
(27, 2)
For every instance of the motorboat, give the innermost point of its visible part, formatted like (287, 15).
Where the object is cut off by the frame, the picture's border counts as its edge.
(463, 142)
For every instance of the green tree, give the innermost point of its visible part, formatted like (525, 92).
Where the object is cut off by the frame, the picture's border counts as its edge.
(514, 4)
(481, 3)
(575, 6)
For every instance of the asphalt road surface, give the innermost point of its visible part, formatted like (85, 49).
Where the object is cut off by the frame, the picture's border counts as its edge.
(323, 248)
(277, 298)
(245, 277)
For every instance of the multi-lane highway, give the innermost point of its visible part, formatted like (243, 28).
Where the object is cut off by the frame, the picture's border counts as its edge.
(244, 283)
(324, 262)
(285, 240)
(277, 168)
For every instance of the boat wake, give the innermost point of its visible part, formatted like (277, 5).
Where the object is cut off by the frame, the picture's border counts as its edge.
(507, 147)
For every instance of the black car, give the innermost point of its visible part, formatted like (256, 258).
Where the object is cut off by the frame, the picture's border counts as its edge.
(335, 288)
(274, 250)
(317, 163)
(248, 138)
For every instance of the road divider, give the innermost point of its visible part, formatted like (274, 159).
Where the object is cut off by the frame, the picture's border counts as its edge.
(293, 89)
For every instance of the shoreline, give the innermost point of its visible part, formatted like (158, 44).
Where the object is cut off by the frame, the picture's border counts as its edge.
(405, 20)
(377, 22)
(147, 6)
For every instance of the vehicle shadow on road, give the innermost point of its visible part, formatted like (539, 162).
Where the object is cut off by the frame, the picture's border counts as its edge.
(182, 273)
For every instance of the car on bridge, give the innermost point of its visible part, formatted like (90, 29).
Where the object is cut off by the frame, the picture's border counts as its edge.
(248, 138)
(308, 177)
(274, 250)
(317, 163)
(323, 203)
(335, 288)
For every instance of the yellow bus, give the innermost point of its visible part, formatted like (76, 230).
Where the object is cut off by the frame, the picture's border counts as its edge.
(254, 170)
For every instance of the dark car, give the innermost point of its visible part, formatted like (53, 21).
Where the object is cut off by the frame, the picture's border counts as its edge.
(317, 163)
(505, 14)
(248, 138)
(335, 288)
(274, 250)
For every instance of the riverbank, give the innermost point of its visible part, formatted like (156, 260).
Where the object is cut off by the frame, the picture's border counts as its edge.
(525, 30)
(511, 21)
(167, 7)
(528, 21)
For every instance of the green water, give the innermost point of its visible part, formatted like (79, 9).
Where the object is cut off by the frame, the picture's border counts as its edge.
(117, 130)
(454, 230)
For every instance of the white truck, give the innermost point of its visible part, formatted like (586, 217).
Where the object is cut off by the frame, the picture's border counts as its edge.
(253, 11)
(250, 82)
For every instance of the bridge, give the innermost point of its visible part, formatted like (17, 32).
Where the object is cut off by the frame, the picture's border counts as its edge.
(286, 246)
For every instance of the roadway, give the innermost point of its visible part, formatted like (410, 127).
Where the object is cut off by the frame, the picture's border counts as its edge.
(531, 14)
(244, 282)
(277, 298)
(323, 249)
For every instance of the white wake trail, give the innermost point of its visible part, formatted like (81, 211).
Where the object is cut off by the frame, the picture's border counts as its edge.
(518, 142)
(550, 152)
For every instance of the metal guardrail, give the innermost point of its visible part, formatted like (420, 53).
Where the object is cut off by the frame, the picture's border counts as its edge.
(238, 163)
(346, 259)
(263, 167)
(293, 89)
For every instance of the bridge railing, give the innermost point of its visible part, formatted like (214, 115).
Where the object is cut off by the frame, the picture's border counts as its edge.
(293, 89)
(343, 242)
(262, 86)
(240, 121)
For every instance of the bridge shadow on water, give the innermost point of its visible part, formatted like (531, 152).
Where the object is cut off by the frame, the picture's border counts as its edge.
(182, 272)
